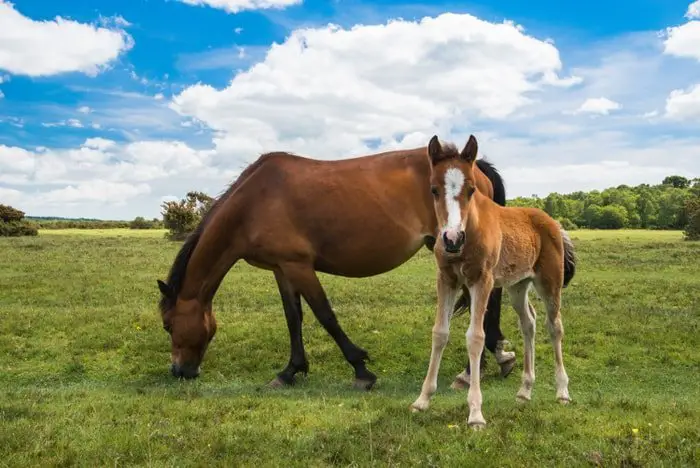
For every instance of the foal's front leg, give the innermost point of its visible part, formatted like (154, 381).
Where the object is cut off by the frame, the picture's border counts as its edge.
(447, 289)
(475, 346)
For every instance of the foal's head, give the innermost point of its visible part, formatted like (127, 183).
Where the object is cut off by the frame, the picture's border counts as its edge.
(453, 184)
(191, 326)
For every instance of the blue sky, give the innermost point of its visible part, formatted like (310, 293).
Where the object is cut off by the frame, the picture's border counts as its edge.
(119, 105)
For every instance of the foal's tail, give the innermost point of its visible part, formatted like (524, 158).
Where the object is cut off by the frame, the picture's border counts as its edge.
(569, 258)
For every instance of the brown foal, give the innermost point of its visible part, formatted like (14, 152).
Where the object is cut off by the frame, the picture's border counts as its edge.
(481, 245)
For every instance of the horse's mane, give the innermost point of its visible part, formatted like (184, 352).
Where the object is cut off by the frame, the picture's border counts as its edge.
(176, 276)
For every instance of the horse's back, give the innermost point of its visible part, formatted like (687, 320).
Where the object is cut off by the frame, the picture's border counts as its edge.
(356, 216)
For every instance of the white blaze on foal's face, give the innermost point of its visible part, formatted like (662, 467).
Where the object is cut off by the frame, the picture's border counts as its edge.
(454, 182)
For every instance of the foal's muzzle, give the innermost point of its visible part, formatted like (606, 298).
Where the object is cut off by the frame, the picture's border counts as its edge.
(185, 372)
(454, 242)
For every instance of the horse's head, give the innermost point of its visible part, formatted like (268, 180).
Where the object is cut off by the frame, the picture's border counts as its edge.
(191, 326)
(452, 184)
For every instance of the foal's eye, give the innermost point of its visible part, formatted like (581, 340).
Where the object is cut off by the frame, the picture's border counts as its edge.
(470, 191)
(434, 190)
(167, 328)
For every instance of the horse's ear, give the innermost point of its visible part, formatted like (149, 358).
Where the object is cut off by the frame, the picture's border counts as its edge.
(470, 150)
(434, 149)
(165, 290)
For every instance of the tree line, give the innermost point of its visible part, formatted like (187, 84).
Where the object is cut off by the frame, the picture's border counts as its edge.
(668, 205)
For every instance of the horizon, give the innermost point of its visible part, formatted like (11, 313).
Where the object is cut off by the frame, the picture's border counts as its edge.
(112, 109)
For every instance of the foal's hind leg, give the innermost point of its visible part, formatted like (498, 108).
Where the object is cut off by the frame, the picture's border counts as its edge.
(527, 315)
(303, 277)
(291, 301)
(550, 292)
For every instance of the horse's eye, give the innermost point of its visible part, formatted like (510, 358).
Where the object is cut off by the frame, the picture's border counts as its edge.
(470, 191)
(434, 190)
(167, 328)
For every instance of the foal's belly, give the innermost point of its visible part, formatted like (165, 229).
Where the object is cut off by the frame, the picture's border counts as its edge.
(508, 275)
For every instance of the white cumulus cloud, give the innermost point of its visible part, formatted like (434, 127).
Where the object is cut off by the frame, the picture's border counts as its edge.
(684, 40)
(601, 105)
(683, 104)
(234, 6)
(43, 48)
(326, 90)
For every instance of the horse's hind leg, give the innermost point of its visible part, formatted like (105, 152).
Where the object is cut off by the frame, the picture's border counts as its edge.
(291, 301)
(527, 315)
(303, 278)
(494, 339)
(549, 290)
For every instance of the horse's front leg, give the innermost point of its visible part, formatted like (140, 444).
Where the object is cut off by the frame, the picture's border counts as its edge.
(447, 288)
(475, 335)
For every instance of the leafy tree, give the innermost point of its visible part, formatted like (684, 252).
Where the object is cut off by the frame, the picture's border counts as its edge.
(692, 230)
(676, 181)
(612, 217)
(181, 217)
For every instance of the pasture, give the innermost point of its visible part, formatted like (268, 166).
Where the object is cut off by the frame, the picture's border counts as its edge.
(84, 371)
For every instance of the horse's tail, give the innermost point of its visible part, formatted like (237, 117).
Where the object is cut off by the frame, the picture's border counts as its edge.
(499, 196)
(569, 258)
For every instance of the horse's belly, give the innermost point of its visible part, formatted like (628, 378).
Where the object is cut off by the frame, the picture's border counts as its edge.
(363, 261)
(508, 276)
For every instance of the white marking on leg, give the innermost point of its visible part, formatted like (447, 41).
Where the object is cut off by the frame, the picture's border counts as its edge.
(475, 346)
(447, 295)
(454, 181)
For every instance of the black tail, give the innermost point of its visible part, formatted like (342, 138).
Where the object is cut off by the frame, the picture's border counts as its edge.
(499, 196)
(569, 258)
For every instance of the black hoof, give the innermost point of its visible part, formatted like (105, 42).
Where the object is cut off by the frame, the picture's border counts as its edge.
(278, 382)
(364, 384)
(507, 368)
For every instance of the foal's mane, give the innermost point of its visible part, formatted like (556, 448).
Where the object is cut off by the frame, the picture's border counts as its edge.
(176, 277)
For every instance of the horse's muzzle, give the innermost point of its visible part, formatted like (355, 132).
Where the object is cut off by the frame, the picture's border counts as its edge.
(185, 372)
(453, 244)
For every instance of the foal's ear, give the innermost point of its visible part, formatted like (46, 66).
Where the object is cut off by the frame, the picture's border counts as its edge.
(470, 150)
(434, 149)
(165, 290)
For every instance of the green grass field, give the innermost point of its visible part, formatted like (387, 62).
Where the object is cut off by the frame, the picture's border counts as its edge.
(84, 371)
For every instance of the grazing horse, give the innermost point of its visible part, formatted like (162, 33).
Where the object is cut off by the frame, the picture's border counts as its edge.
(296, 216)
(481, 245)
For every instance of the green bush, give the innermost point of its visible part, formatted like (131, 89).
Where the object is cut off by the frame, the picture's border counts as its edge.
(141, 223)
(13, 224)
(182, 217)
(567, 224)
(9, 214)
(17, 229)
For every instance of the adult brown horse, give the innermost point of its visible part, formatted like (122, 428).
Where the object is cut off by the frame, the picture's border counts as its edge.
(295, 216)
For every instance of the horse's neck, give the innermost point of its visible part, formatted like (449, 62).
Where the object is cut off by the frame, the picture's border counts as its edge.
(211, 260)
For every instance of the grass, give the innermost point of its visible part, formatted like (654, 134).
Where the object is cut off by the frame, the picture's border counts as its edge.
(84, 381)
